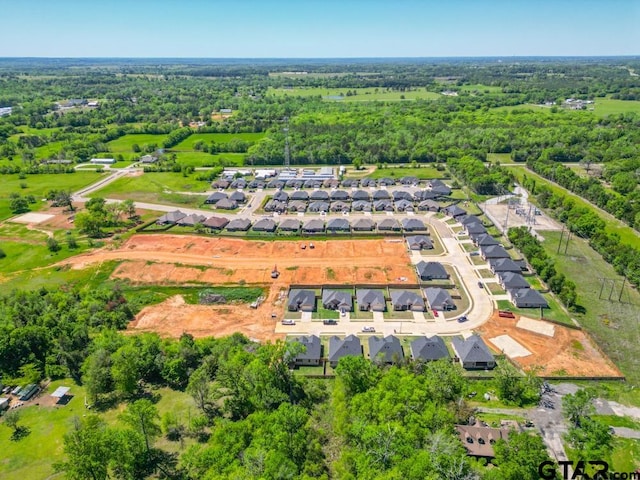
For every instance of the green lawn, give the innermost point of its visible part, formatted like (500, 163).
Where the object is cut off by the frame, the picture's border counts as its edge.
(609, 106)
(424, 173)
(203, 159)
(33, 456)
(368, 94)
(554, 312)
(48, 150)
(38, 185)
(499, 157)
(323, 314)
(124, 144)
(158, 188)
(627, 234)
(28, 256)
(478, 87)
(189, 142)
(613, 324)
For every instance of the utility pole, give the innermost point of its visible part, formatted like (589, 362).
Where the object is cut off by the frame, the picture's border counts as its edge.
(601, 288)
(560, 242)
(567, 245)
(624, 280)
(613, 285)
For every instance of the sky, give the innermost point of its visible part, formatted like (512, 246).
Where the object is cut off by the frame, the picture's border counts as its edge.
(318, 28)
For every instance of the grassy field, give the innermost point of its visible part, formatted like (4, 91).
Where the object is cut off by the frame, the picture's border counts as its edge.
(124, 143)
(189, 142)
(369, 94)
(49, 150)
(554, 312)
(156, 187)
(424, 173)
(499, 157)
(609, 106)
(478, 87)
(34, 255)
(33, 456)
(53, 277)
(39, 185)
(627, 234)
(614, 325)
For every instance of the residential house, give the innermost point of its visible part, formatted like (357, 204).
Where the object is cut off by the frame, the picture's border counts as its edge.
(281, 196)
(404, 206)
(389, 224)
(385, 350)
(429, 206)
(475, 229)
(340, 195)
(363, 225)
(370, 299)
(148, 159)
(338, 225)
(339, 206)
(301, 300)
(313, 226)
(226, 204)
(297, 206)
(493, 251)
(473, 353)
(277, 183)
(238, 183)
(265, 225)
(191, 220)
(431, 271)
(429, 349)
(386, 182)
(512, 281)
(299, 195)
(413, 225)
(220, 184)
(215, 223)
(360, 195)
(402, 195)
(275, 206)
(290, 225)
(383, 206)
(215, 197)
(467, 219)
(419, 242)
(409, 181)
(319, 195)
(455, 211)
(527, 298)
(422, 195)
(367, 182)
(312, 352)
(407, 300)
(380, 195)
(319, 206)
(337, 300)
(171, 218)
(361, 206)
(238, 197)
(485, 240)
(239, 225)
(498, 265)
(479, 440)
(439, 299)
(340, 348)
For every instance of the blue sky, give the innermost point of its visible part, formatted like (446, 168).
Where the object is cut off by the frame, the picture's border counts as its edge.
(318, 28)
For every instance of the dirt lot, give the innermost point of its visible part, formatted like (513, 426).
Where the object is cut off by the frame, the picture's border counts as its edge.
(167, 259)
(570, 352)
(178, 259)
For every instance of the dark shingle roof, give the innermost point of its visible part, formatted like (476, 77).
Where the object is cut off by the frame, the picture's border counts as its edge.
(314, 225)
(388, 349)
(239, 224)
(216, 222)
(512, 280)
(313, 347)
(494, 251)
(290, 224)
(389, 224)
(363, 224)
(472, 349)
(528, 297)
(423, 348)
(371, 298)
(339, 348)
(411, 224)
(438, 298)
(337, 299)
(406, 298)
(299, 298)
(418, 242)
(341, 224)
(431, 270)
(265, 225)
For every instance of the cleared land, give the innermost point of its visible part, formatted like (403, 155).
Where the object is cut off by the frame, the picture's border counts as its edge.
(125, 143)
(569, 353)
(171, 260)
(369, 94)
(189, 142)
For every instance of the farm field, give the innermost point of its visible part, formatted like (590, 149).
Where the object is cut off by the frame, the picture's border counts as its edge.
(189, 142)
(362, 94)
(610, 106)
(203, 159)
(627, 234)
(480, 88)
(613, 324)
(38, 185)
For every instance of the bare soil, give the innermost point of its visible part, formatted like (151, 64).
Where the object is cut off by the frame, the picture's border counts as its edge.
(568, 353)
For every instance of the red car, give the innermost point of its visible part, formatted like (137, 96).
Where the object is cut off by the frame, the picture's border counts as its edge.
(435, 313)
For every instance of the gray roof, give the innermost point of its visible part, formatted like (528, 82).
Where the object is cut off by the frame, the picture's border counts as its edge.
(475, 227)
(528, 297)
(424, 348)
(441, 190)
(431, 270)
(339, 206)
(363, 224)
(472, 349)
(413, 224)
(226, 204)
(404, 205)
(313, 346)
(239, 224)
(299, 298)
(319, 206)
(314, 225)
(281, 196)
(360, 195)
(370, 297)
(455, 211)
(380, 205)
(504, 265)
(494, 251)
(381, 195)
(338, 224)
(389, 224)
(406, 298)
(191, 220)
(265, 225)
(299, 195)
(319, 195)
(339, 348)
(485, 239)
(419, 242)
(425, 195)
(238, 197)
(361, 205)
(428, 205)
(337, 299)
(297, 205)
(467, 219)
(339, 195)
(388, 348)
(290, 224)
(402, 195)
(438, 298)
(171, 217)
(216, 222)
(512, 280)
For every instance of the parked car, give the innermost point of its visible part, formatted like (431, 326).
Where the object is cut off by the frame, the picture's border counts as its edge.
(330, 322)
(474, 254)
(288, 322)
(480, 284)
(435, 313)
(368, 329)
(462, 319)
